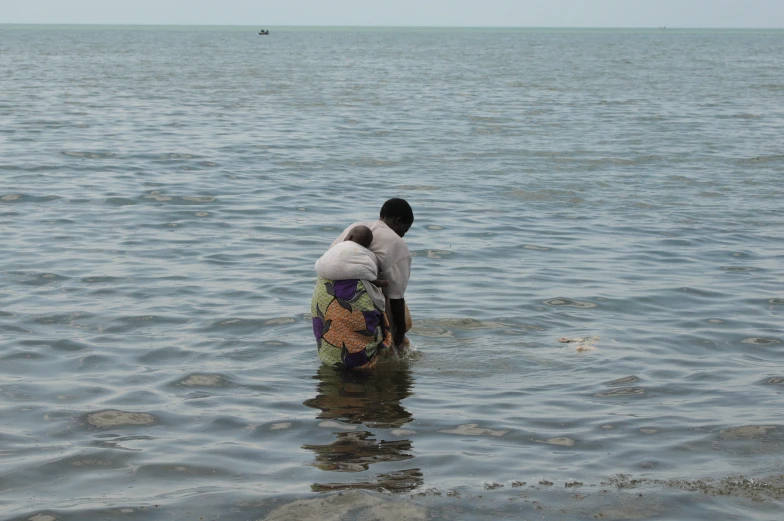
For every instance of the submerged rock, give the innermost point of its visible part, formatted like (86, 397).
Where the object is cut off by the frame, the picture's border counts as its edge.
(566, 442)
(354, 504)
(114, 418)
(204, 380)
(748, 431)
(625, 380)
(756, 489)
(621, 391)
(567, 302)
(581, 344)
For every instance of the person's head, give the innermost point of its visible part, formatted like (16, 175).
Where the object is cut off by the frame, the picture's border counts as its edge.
(398, 215)
(360, 235)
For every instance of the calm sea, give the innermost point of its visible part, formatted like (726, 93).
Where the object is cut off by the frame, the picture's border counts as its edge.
(597, 290)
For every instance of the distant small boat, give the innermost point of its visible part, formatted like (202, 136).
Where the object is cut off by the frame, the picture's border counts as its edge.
(263, 32)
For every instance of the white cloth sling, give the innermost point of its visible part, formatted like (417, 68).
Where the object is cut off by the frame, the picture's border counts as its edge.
(349, 260)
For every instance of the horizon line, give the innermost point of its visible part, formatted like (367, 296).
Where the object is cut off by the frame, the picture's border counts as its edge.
(675, 27)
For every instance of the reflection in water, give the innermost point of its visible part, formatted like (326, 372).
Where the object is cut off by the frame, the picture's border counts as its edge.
(374, 400)
(356, 451)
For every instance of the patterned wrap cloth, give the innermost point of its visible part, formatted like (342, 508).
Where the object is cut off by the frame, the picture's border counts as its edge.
(351, 331)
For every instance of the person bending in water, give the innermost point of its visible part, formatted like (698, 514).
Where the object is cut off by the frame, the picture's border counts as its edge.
(350, 327)
(348, 307)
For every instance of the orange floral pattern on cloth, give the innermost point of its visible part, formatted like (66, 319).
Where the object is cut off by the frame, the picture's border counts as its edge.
(351, 332)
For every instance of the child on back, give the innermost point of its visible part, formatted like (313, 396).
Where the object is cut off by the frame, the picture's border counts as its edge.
(351, 259)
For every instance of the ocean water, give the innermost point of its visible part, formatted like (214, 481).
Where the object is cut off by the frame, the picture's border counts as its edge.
(597, 289)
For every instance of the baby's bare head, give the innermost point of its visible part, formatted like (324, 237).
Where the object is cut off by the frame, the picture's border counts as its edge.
(360, 235)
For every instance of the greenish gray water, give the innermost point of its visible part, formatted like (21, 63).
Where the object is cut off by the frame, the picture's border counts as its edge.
(164, 193)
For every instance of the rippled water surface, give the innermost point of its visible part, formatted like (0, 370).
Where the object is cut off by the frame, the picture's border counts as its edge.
(597, 291)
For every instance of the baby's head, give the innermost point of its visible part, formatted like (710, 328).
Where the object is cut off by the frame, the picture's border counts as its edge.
(360, 235)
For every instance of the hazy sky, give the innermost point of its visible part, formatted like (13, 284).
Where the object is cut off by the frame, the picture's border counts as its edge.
(504, 13)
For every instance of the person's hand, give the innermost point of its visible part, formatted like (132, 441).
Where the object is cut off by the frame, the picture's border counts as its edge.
(380, 283)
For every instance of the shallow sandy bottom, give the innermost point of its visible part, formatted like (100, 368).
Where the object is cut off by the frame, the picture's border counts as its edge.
(354, 503)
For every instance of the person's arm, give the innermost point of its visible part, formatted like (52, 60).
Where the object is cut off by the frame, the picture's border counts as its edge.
(397, 311)
(397, 274)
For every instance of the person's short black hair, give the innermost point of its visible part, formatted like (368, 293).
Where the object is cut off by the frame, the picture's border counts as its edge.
(398, 208)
